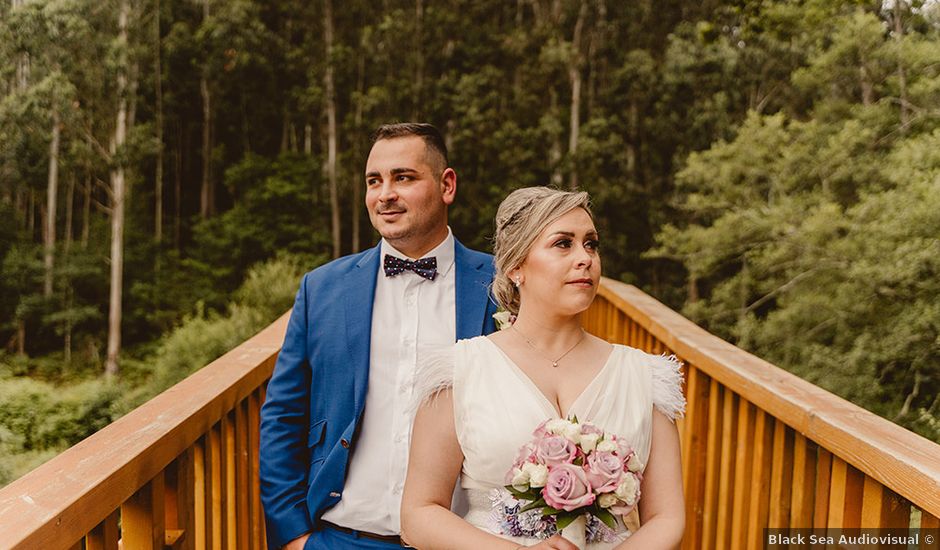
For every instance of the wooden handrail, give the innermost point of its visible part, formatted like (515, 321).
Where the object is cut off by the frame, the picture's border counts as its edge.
(66, 498)
(896, 457)
(761, 448)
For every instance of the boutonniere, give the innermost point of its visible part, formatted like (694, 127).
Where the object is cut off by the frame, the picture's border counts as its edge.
(504, 319)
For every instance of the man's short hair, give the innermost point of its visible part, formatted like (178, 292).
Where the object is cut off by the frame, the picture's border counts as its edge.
(432, 137)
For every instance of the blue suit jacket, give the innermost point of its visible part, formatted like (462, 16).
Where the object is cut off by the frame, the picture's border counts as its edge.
(316, 395)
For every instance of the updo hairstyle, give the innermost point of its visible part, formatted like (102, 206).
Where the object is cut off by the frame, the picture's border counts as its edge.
(521, 218)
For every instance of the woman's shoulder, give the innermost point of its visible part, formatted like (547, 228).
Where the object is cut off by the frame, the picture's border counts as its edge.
(665, 377)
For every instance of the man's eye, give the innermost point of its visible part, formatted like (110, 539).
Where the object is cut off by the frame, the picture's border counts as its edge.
(404, 178)
(371, 181)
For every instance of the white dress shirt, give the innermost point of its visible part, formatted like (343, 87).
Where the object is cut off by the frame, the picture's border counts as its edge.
(409, 313)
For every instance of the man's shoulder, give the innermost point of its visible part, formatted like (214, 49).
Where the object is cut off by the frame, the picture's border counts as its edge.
(334, 270)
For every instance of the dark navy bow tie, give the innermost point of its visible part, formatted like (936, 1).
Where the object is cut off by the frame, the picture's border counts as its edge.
(425, 267)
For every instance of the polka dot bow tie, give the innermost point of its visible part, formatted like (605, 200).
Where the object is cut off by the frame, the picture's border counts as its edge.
(425, 267)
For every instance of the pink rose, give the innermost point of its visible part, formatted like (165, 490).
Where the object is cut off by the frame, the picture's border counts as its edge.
(555, 449)
(604, 471)
(567, 488)
(540, 430)
(591, 429)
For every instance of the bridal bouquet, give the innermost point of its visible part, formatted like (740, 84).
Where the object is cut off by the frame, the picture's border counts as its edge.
(571, 472)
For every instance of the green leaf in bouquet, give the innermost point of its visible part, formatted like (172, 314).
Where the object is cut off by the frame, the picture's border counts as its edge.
(565, 519)
(579, 461)
(549, 511)
(605, 516)
(533, 505)
(524, 495)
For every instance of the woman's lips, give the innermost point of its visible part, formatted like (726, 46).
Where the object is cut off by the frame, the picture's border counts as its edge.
(583, 283)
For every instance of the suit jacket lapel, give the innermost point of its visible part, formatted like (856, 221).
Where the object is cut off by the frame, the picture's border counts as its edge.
(472, 286)
(359, 298)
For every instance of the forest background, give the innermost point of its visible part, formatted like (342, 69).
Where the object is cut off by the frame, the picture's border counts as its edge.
(169, 169)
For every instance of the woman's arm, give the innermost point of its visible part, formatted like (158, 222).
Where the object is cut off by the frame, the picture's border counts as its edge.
(426, 520)
(662, 506)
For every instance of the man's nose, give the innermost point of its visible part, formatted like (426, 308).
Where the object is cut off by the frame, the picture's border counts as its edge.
(387, 192)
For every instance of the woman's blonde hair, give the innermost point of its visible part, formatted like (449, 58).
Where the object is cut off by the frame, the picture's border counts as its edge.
(519, 221)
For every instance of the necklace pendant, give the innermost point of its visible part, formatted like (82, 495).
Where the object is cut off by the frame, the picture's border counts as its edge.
(555, 364)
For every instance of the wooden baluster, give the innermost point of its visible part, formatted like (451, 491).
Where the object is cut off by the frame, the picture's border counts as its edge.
(105, 535)
(142, 517)
(185, 499)
(928, 521)
(230, 537)
(214, 488)
(804, 482)
(200, 500)
(845, 495)
(883, 508)
(728, 465)
(821, 497)
(242, 493)
(781, 476)
(712, 464)
(759, 507)
(254, 504)
(742, 474)
(693, 448)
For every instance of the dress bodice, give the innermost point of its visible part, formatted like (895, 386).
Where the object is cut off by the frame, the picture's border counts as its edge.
(497, 406)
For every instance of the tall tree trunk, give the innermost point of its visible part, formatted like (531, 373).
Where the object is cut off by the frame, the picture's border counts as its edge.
(902, 77)
(158, 123)
(419, 60)
(178, 187)
(574, 75)
(331, 126)
(554, 152)
(117, 206)
(356, 180)
(52, 191)
(86, 210)
(207, 193)
(69, 213)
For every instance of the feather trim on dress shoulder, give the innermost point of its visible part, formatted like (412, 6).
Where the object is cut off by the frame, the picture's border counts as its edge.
(434, 373)
(666, 375)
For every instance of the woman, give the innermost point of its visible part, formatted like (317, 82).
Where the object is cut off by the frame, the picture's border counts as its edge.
(491, 392)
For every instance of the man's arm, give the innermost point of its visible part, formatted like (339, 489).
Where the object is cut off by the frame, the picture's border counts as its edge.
(284, 455)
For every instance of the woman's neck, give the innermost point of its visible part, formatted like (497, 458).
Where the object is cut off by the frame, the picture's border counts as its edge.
(548, 331)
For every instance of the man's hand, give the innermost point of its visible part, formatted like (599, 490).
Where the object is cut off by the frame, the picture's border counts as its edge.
(297, 544)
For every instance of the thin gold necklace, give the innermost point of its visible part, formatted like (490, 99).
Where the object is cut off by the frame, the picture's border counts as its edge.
(560, 357)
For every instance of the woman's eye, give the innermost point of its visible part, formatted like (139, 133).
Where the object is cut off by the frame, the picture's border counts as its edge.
(592, 245)
(563, 243)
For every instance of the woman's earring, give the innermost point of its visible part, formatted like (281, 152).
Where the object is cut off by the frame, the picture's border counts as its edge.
(518, 282)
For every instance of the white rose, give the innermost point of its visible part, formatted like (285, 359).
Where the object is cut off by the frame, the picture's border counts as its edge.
(589, 442)
(503, 319)
(572, 432)
(538, 474)
(607, 446)
(634, 464)
(606, 500)
(520, 479)
(627, 490)
(557, 426)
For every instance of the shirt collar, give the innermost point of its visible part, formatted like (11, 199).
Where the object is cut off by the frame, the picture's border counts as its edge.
(444, 253)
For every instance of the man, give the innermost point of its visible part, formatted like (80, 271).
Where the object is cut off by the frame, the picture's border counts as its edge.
(335, 428)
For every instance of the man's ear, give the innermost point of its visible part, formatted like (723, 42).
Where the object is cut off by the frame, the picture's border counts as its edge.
(449, 186)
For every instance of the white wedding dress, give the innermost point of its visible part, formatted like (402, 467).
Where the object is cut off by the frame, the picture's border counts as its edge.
(497, 406)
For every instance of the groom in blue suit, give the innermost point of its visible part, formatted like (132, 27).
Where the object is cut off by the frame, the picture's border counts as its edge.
(335, 425)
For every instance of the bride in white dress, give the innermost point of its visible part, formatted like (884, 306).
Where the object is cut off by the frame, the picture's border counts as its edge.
(490, 392)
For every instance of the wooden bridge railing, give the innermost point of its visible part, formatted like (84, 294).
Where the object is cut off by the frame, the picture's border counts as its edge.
(761, 448)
